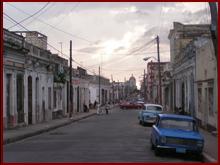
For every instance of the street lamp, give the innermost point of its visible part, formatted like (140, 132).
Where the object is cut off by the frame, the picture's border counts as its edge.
(147, 58)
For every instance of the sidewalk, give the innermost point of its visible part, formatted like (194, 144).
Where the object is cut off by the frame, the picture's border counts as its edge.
(210, 151)
(16, 134)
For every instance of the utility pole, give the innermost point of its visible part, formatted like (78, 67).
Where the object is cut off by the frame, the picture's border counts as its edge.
(214, 26)
(113, 93)
(158, 57)
(71, 87)
(144, 87)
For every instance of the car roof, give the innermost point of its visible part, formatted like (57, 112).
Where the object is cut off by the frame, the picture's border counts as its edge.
(175, 116)
(153, 105)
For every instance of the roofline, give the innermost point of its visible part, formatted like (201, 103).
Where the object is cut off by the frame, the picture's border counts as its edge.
(30, 32)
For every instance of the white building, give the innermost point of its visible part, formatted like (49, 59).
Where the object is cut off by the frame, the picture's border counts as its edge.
(105, 89)
(28, 82)
(206, 84)
(182, 52)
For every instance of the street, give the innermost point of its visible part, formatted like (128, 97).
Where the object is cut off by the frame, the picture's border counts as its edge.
(116, 137)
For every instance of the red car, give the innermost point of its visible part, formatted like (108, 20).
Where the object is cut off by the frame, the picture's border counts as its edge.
(131, 105)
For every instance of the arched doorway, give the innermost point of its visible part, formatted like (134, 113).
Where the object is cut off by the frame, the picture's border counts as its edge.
(30, 100)
(37, 107)
(43, 104)
(20, 98)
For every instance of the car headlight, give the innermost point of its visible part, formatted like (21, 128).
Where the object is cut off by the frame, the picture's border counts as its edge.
(163, 139)
(200, 143)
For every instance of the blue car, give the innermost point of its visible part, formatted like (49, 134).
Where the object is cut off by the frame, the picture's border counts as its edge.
(149, 113)
(176, 133)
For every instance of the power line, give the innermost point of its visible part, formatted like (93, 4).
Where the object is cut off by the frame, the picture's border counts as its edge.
(8, 19)
(46, 42)
(143, 46)
(74, 7)
(132, 53)
(48, 8)
(52, 26)
(30, 15)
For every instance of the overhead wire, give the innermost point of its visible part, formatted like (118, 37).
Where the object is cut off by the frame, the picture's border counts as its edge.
(72, 9)
(46, 42)
(52, 26)
(35, 17)
(30, 15)
(119, 59)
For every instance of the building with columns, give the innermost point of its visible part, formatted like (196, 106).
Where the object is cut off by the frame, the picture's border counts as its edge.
(206, 86)
(28, 82)
(194, 73)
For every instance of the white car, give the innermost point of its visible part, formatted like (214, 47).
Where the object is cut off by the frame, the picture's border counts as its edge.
(149, 113)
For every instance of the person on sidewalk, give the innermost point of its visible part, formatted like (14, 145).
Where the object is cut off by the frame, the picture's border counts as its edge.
(107, 107)
(99, 110)
(85, 108)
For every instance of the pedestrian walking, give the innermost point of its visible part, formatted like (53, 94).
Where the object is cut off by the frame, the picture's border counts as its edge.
(107, 107)
(99, 109)
(95, 103)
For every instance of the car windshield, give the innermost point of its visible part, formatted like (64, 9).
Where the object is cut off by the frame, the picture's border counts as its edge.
(153, 108)
(177, 124)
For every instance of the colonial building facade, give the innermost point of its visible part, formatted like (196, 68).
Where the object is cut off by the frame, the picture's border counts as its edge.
(152, 81)
(193, 78)
(28, 82)
(206, 84)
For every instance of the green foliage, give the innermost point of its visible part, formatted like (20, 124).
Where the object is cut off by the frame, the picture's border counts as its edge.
(60, 78)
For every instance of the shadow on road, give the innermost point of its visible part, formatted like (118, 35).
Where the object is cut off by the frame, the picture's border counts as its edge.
(188, 156)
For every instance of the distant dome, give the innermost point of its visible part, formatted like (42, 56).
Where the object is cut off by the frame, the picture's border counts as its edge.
(132, 77)
(132, 81)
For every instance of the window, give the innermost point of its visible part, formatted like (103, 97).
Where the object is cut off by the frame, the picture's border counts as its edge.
(210, 101)
(186, 125)
(49, 97)
(54, 99)
(35, 51)
(200, 99)
(154, 108)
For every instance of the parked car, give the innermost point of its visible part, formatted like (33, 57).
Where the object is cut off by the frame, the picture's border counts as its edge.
(131, 105)
(149, 113)
(178, 133)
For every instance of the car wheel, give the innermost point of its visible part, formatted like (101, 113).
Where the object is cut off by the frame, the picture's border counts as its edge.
(157, 151)
(199, 157)
(140, 122)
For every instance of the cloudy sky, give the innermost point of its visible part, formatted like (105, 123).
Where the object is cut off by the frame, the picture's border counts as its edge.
(115, 36)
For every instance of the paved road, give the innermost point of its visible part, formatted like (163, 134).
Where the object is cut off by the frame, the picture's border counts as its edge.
(116, 137)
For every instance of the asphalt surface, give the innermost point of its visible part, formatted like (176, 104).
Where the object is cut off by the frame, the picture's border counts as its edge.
(116, 137)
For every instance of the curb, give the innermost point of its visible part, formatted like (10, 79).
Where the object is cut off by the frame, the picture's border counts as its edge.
(208, 158)
(30, 134)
